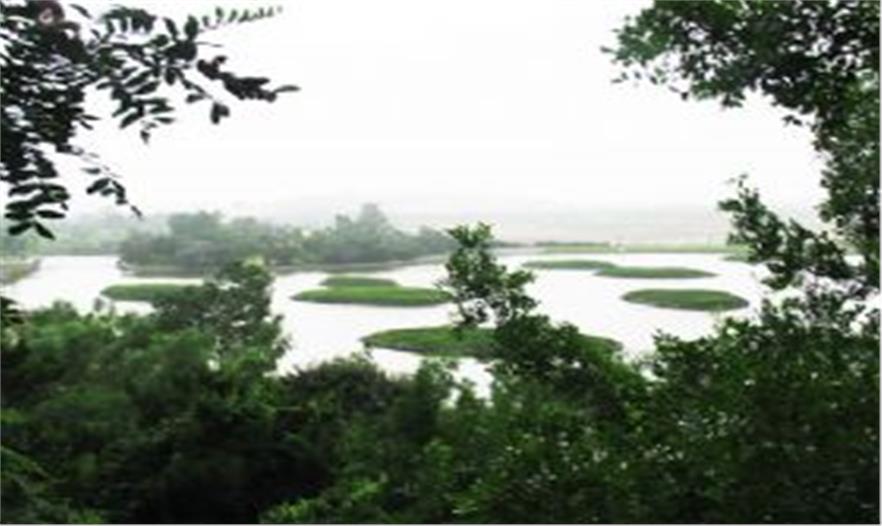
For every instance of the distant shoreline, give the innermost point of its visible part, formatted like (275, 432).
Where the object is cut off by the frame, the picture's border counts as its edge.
(538, 248)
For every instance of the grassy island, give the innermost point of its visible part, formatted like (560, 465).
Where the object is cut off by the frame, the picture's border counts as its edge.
(569, 264)
(654, 272)
(148, 292)
(605, 268)
(436, 341)
(738, 258)
(687, 299)
(357, 281)
(445, 341)
(14, 269)
(376, 295)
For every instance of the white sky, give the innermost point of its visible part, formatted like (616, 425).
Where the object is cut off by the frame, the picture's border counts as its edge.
(447, 105)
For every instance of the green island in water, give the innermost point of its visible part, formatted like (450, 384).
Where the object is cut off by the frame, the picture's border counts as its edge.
(611, 270)
(149, 292)
(568, 264)
(654, 273)
(357, 281)
(687, 299)
(372, 291)
(446, 341)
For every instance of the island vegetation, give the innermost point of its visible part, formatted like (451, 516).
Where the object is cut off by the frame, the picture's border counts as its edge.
(13, 269)
(608, 269)
(445, 341)
(449, 341)
(653, 272)
(146, 292)
(395, 296)
(737, 258)
(687, 299)
(357, 281)
(568, 264)
(638, 248)
(202, 242)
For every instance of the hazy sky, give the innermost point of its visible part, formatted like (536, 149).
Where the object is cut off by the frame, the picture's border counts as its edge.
(428, 106)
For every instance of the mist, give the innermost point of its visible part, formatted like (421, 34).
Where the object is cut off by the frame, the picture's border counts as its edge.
(452, 112)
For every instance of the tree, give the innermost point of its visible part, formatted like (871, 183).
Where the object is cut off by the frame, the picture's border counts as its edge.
(819, 60)
(51, 62)
(794, 393)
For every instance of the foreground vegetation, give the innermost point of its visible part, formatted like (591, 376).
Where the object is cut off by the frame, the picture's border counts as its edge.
(687, 299)
(149, 292)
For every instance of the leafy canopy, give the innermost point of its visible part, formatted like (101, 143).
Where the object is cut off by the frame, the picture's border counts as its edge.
(52, 58)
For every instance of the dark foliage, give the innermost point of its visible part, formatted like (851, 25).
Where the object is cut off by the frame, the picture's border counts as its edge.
(52, 57)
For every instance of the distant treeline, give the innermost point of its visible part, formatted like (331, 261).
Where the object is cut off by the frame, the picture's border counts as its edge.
(205, 241)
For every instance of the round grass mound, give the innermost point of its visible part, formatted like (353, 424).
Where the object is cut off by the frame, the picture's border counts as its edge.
(149, 292)
(654, 272)
(436, 341)
(446, 341)
(357, 281)
(568, 264)
(737, 258)
(376, 295)
(687, 299)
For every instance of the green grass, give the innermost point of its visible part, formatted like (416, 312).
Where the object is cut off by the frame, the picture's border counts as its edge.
(445, 341)
(568, 264)
(376, 295)
(737, 258)
(646, 248)
(654, 272)
(357, 281)
(148, 292)
(436, 341)
(687, 299)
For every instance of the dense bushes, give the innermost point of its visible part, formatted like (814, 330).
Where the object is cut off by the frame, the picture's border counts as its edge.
(170, 417)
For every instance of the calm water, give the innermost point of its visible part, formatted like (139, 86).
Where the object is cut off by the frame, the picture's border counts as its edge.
(320, 331)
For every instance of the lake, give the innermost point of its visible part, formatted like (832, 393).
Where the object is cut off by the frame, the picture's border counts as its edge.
(321, 332)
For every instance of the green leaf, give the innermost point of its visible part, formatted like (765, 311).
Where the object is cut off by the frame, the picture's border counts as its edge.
(15, 230)
(129, 119)
(218, 111)
(50, 214)
(81, 10)
(286, 88)
(171, 27)
(43, 231)
(98, 185)
(191, 28)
